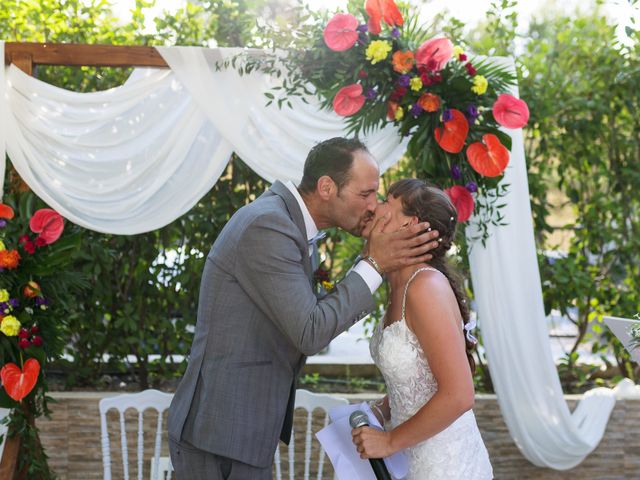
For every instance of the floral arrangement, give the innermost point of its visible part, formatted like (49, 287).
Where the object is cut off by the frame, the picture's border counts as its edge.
(32, 290)
(377, 65)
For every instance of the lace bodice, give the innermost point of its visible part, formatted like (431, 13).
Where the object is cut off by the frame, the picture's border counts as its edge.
(458, 452)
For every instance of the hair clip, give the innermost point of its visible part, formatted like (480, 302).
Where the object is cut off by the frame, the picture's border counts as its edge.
(468, 327)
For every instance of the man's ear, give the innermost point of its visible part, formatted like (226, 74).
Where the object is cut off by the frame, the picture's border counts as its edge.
(325, 187)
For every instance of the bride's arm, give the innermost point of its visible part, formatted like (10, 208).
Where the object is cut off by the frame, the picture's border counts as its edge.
(381, 410)
(433, 315)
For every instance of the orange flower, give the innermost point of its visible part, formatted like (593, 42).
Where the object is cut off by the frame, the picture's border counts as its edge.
(403, 61)
(9, 259)
(429, 102)
(386, 10)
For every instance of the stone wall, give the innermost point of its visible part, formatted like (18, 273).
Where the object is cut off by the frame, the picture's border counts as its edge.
(72, 440)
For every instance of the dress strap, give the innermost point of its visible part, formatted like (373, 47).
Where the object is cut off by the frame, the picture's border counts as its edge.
(406, 288)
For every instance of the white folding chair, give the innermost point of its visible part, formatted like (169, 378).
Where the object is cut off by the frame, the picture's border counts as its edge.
(3, 429)
(308, 401)
(148, 399)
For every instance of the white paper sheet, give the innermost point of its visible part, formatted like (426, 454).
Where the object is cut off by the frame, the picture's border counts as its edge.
(336, 441)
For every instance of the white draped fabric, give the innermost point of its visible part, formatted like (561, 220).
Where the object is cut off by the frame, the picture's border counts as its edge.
(136, 157)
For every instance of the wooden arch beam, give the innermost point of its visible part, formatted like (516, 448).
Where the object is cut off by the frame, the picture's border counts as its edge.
(27, 55)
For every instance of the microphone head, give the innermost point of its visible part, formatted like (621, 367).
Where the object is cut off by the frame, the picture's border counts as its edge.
(358, 419)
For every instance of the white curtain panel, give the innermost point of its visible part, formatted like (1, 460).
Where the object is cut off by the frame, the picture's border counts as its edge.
(136, 157)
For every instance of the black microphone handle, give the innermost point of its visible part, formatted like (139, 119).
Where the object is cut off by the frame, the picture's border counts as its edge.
(379, 469)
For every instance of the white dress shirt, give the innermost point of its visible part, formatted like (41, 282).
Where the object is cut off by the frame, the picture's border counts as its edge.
(369, 274)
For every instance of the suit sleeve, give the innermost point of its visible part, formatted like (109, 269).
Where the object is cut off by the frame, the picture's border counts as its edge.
(269, 267)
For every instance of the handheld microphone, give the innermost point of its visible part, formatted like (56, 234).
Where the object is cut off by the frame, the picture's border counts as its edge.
(360, 419)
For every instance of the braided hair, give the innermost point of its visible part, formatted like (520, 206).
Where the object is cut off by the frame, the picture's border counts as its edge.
(432, 204)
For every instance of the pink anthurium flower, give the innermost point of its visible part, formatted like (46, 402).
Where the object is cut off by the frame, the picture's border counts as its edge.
(340, 33)
(434, 53)
(349, 100)
(462, 200)
(48, 223)
(510, 112)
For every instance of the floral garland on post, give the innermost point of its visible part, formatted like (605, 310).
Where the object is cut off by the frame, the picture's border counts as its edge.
(384, 68)
(30, 323)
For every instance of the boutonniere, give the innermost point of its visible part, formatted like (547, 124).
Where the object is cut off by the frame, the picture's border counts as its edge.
(322, 280)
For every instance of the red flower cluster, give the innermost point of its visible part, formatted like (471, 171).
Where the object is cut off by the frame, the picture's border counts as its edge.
(29, 337)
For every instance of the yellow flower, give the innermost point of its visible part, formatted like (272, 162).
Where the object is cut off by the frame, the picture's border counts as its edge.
(4, 295)
(327, 285)
(399, 114)
(480, 85)
(10, 326)
(416, 84)
(2, 247)
(378, 50)
(457, 51)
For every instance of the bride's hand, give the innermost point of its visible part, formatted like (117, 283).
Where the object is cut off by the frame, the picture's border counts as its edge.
(372, 443)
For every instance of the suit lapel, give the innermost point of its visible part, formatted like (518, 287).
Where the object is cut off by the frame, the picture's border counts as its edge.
(295, 212)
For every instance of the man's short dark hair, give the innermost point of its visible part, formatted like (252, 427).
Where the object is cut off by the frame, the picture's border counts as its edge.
(334, 158)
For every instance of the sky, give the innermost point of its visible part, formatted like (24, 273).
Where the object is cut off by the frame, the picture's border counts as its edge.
(469, 12)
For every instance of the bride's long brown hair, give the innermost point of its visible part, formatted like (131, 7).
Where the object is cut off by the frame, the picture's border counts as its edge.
(431, 204)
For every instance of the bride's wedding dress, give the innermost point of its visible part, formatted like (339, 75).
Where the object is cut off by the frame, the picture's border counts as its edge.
(456, 453)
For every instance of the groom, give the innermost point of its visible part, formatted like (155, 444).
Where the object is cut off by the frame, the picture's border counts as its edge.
(258, 316)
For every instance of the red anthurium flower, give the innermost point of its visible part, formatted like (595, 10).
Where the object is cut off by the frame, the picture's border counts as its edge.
(48, 223)
(18, 383)
(488, 158)
(6, 211)
(510, 112)
(452, 136)
(462, 200)
(386, 10)
(348, 100)
(434, 53)
(340, 33)
(391, 110)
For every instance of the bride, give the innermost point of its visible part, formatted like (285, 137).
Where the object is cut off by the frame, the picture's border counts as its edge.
(423, 349)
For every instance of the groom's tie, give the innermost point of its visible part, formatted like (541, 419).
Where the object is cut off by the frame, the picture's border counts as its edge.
(315, 256)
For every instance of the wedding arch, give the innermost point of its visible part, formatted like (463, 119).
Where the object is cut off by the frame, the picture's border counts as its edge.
(134, 158)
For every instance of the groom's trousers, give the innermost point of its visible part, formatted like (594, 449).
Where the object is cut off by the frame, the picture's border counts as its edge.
(191, 463)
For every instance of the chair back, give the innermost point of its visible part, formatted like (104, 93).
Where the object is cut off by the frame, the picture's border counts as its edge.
(147, 399)
(309, 402)
(4, 412)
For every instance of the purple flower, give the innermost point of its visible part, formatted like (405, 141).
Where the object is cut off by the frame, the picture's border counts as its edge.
(472, 187)
(3, 223)
(14, 302)
(362, 28)
(371, 94)
(472, 113)
(395, 33)
(415, 110)
(447, 115)
(456, 173)
(4, 307)
(404, 80)
(41, 301)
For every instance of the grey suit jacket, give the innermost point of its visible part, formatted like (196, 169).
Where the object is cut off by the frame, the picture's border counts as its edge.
(258, 319)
